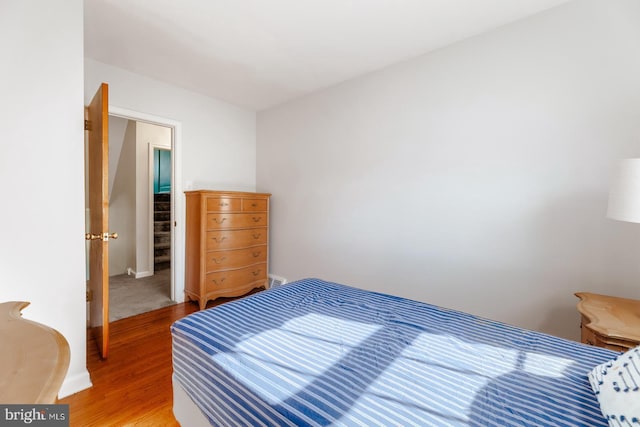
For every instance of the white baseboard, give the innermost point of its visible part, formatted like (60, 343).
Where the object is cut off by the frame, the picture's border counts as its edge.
(74, 384)
(143, 274)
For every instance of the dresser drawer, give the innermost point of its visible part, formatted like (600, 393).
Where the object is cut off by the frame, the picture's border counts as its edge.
(236, 239)
(236, 258)
(254, 205)
(235, 278)
(226, 244)
(587, 335)
(219, 221)
(223, 204)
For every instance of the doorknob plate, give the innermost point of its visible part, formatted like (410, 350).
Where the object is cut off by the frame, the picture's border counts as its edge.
(104, 236)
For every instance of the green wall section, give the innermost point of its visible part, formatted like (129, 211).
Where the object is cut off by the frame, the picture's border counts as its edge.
(161, 171)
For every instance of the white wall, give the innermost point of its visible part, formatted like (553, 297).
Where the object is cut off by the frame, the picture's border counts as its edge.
(117, 129)
(130, 200)
(41, 166)
(474, 177)
(122, 199)
(147, 136)
(217, 139)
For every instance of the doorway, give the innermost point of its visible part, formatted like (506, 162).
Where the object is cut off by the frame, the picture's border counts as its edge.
(160, 165)
(141, 266)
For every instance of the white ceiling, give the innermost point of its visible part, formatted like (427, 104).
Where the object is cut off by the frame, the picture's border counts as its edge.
(260, 53)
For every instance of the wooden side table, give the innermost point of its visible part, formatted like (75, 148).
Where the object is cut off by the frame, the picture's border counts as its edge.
(34, 358)
(609, 322)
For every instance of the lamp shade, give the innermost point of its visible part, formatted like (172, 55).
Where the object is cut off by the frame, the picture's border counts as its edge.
(624, 196)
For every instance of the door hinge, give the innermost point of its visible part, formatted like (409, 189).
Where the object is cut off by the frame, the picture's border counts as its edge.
(89, 296)
(87, 125)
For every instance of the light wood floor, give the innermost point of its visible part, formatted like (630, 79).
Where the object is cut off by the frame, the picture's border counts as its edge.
(133, 386)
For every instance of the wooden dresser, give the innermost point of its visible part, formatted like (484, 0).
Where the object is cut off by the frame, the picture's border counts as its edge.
(609, 322)
(227, 241)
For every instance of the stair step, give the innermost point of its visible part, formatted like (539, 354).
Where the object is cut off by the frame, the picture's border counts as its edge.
(162, 258)
(161, 252)
(161, 226)
(162, 206)
(162, 237)
(162, 231)
(162, 215)
(162, 265)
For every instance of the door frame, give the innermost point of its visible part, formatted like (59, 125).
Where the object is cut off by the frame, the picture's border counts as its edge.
(150, 190)
(177, 202)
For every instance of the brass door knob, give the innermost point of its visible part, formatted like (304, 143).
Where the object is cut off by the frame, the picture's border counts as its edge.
(104, 236)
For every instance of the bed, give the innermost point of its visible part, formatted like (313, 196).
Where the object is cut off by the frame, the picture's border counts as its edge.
(315, 353)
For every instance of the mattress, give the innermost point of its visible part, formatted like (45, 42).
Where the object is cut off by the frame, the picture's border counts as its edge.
(315, 353)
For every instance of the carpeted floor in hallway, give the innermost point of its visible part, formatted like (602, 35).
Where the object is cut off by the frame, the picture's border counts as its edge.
(129, 296)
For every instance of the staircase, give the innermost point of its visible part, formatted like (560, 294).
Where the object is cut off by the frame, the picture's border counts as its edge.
(162, 231)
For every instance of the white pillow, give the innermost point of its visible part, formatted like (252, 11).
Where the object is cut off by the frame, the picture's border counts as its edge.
(617, 385)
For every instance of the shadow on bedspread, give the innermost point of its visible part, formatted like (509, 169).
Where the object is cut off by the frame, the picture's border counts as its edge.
(317, 353)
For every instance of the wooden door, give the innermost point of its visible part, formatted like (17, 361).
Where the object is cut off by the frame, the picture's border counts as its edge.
(98, 188)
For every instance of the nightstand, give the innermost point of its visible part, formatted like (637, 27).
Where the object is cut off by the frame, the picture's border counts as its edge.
(609, 322)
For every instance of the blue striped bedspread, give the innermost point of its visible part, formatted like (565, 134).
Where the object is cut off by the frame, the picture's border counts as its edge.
(314, 353)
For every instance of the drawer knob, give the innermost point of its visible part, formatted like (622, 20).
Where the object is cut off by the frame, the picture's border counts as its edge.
(256, 235)
(256, 272)
(218, 261)
(256, 219)
(219, 221)
(253, 205)
(221, 280)
(219, 239)
(222, 204)
(256, 254)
